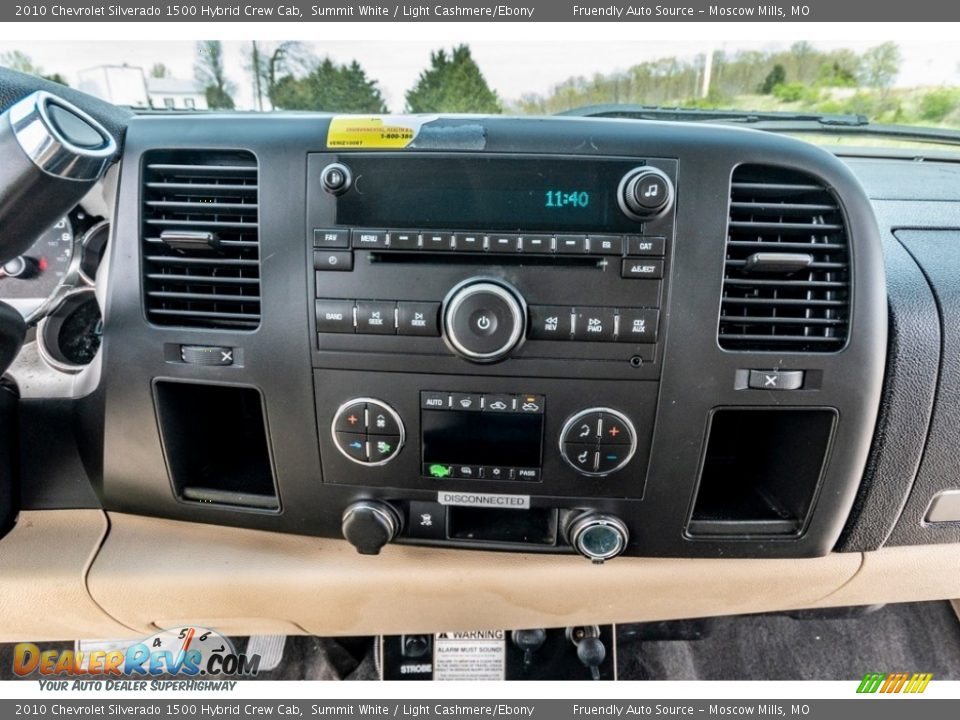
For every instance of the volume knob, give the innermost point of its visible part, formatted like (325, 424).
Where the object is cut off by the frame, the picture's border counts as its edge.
(483, 320)
(645, 193)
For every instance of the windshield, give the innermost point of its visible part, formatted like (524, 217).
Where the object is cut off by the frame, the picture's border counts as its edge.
(913, 84)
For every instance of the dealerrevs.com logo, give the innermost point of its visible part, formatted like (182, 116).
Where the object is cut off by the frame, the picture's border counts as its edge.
(188, 652)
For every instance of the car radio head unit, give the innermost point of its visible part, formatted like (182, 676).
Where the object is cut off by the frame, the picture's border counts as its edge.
(486, 193)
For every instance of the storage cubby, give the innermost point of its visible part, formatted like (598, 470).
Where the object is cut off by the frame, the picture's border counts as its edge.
(215, 440)
(761, 470)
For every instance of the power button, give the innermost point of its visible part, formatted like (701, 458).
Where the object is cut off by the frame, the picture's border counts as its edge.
(483, 320)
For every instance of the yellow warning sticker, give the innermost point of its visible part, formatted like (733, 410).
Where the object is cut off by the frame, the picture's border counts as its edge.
(383, 132)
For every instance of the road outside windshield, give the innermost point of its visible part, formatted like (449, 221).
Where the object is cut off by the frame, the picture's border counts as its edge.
(888, 82)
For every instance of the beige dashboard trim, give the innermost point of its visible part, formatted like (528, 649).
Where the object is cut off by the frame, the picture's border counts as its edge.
(143, 573)
(150, 570)
(43, 565)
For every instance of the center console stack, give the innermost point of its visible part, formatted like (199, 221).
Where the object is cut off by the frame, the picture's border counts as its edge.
(554, 336)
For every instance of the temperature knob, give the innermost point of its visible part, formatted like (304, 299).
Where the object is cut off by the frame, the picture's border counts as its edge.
(645, 193)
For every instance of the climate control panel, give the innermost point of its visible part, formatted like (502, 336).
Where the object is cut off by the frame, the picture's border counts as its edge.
(367, 431)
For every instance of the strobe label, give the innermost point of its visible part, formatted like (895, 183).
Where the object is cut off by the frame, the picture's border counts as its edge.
(491, 500)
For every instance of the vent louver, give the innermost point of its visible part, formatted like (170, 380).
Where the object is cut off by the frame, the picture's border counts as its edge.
(786, 282)
(200, 239)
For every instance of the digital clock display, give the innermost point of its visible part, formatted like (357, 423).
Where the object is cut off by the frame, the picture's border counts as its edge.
(461, 192)
(567, 199)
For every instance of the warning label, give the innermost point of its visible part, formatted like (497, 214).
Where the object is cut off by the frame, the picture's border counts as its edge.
(388, 132)
(477, 655)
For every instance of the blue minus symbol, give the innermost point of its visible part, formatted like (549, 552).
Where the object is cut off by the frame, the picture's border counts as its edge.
(613, 457)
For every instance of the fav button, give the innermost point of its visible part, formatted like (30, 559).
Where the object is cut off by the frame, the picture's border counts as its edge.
(331, 238)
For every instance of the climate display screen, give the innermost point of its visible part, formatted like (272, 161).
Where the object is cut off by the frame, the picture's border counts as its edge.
(482, 438)
(482, 193)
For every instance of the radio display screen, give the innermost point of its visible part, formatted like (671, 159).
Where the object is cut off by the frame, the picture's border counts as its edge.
(482, 438)
(484, 193)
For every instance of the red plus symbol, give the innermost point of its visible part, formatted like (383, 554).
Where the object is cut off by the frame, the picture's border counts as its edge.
(352, 419)
(614, 431)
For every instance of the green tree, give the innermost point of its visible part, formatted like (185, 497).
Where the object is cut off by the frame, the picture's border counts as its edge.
(452, 83)
(21, 62)
(211, 75)
(777, 76)
(329, 87)
(880, 65)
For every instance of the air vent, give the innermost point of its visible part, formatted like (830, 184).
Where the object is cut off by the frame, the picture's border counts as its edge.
(786, 282)
(201, 251)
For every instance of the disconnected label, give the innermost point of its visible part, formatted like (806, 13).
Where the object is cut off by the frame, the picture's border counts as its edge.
(480, 655)
(380, 132)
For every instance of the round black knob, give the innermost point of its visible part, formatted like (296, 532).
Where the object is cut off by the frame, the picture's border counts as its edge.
(336, 178)
(645, 193)
(598, 536)
(368, 525)
(483, 320)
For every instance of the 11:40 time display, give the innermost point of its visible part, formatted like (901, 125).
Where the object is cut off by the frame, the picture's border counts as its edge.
(567, 199)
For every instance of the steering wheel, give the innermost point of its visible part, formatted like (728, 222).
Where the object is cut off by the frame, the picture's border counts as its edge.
(55, 144)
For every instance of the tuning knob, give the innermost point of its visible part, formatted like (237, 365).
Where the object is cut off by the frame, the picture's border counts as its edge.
(368, 525)
(598, 536)
(645, 193)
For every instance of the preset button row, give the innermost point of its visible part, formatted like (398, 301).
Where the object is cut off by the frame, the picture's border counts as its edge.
(489, 241)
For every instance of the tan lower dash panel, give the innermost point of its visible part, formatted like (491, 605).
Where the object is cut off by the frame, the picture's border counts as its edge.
(151, 569)
(43, 564)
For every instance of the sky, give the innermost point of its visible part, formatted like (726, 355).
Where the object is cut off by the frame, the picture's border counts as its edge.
(512, 69)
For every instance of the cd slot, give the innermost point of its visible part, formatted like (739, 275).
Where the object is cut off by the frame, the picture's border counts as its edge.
(422, 257)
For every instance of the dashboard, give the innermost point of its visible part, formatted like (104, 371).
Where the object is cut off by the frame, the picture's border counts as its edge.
(538, 337)
(501, 337)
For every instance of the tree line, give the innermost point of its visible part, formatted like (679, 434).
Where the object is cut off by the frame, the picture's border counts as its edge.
(288, 76)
